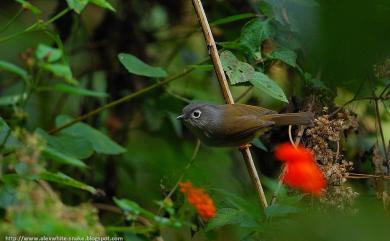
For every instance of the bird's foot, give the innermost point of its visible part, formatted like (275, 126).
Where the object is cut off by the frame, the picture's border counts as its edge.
(244, 146)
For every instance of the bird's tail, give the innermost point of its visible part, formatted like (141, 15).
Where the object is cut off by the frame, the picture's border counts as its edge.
(300, 118)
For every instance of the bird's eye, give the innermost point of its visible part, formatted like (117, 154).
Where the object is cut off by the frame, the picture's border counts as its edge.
(196, 113)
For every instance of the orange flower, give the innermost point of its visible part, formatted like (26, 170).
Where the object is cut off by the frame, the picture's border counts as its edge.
(301, 170)
(202, 202)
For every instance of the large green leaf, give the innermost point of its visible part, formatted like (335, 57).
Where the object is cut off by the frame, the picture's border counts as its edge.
(47, 53)
(100, 142)
(76, 90)
(268, 86)
(75, 146)
(237, 71)
(13, 69)
(136, 66)
(254, 33)
(63, 179)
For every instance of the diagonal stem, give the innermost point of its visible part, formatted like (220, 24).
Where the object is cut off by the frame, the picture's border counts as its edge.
(213, 52)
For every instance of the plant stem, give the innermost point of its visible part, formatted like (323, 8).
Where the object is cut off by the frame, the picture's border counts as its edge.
(122, 100)
(213, 52)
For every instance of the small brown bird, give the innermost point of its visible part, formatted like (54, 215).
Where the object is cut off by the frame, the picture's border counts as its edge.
(235, 124)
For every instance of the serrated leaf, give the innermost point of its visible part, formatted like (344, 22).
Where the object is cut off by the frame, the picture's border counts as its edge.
(58, 156)
(232, 18)
(63, 179)
(100, 142)
(138, 67)
(103, 4)
(47, 53)
(254, 33)
(77, 5)
(76, 90)
(237, 71)
(10, 67)
(285, 55)
(268, 86)
(278, 210)
(29, 6)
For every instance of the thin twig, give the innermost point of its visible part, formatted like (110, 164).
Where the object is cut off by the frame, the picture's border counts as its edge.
(213, 52)
(122, 100)
(378, 118)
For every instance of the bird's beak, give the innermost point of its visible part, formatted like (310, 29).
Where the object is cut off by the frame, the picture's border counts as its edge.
(180, 117)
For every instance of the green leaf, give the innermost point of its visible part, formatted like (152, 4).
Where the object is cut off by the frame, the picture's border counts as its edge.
(278, 210)
(7, 196)
(60, 70)
(128, 206)
(77, 5)
(237, 71)
(226, 216)
(75, 146)
(63, 179)
(268, 86)
(285, 55)
(55, 155)
(136, 66)
(29, 6)
(103, 4)
(12, 99)
(76, 90)
(13, 69)
(254, 33)
(232, 18)
(100, 142)
(47, 53)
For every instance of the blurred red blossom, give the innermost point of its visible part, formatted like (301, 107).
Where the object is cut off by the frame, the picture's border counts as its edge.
(202, 202)
(301, 170)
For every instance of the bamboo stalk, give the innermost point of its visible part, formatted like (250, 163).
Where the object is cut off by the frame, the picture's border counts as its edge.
(213, 52)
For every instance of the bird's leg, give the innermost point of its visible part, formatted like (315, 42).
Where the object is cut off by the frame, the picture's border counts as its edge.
(244, 146)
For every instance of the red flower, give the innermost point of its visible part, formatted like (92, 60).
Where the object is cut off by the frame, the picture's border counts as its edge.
(301, 170)
(202, 202)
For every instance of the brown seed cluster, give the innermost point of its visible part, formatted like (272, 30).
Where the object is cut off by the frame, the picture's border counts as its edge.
(325, 139)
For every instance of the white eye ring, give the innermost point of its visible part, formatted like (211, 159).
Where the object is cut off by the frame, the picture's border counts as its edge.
(196, 114)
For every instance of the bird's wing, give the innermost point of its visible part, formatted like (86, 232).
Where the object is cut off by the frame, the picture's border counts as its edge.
(244, 119)
(241, 109)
